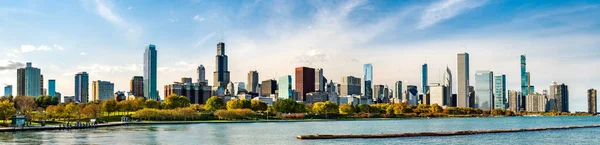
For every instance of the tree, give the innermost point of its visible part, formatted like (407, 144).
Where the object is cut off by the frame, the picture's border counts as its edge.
(435, 108)
(71, 109)
(109, 106)
(151, 104)
(55, 111)
(25, 105)
(258, 105)
(7, 109)
(39, 101)
(288, 106)
(124, 106)
(92, 110)
(238, 104)
(174, 101)
(3, 98)
(214, 103)
(47, 101)
(55, 100)
(197, 107)
(138, 103)
(325, 107)
(346, 109)
(10, 98)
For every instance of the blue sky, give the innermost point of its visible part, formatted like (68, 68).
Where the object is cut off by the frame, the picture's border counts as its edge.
(107, 39)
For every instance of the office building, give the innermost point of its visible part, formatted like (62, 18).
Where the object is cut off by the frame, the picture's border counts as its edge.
(285, 87)
(82, 85)
(350, 85)
(268, 87)
(367, 85)
(378, 93)
(514, 102)
(448, 85)
(42, 89)
(558, 97)
(230, 89)
(221, 74)
(592, 101)
(484, 96)
(201, 74)
(305, 80)
(536, 102)
(136, 86)
(525, 77)
(314, 97)
(398, 90)
(197, 93)
(28, 81)
(499, 91)
(252, 81)
(471, 97)
(102, 90)
(52, 88)
(319, 82)
(8, 90)
(437, 95)
(411, 93)
(462, 95)
(241, 87)
(424, 79)
(120, 96)
(150, 73)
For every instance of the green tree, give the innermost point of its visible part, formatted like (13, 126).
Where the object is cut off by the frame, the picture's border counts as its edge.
(346, 109)
(10, 98)
(151, 104)
(174, 101)
(258, 105)
(214, 103)
(55, 100)
(139, 103)
(435, 108)
(238, 104)
(71, 109)
(109, 106)
(288, 106)
(197, 107)
(93, 110)
(47, 101)
(7, 109)
(39, 101)
(124, 106)
(325, 107)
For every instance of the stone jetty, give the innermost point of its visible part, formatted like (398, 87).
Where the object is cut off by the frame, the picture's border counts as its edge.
(419, 134)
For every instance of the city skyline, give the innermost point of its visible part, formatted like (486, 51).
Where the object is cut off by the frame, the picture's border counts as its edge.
(306, 40)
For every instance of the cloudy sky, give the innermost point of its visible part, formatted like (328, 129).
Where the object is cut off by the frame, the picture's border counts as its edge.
(107, 38)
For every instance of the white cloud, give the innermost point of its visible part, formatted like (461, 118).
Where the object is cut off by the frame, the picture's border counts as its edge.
(204, 39)
(198, 18)
(104, 10)
(444, 10)
(82, 53)
(174, 20)
(30, 48)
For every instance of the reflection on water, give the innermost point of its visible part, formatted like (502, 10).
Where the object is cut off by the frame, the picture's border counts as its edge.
(285, 133)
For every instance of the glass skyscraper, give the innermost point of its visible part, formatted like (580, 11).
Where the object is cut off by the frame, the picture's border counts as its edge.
(524, 76)
(29, 81)
(52, 88)
(150, 66)
(368, 81)
(424, 78)
(8, 90)
(82, 87)
(483, 90)
(500, 91)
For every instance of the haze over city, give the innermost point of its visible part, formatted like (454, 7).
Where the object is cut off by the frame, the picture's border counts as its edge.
(107, 39)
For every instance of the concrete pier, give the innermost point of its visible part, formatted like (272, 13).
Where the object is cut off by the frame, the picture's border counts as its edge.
(418, 134)
(10, 129)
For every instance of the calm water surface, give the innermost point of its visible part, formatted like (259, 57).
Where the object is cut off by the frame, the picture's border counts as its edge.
(285, 133)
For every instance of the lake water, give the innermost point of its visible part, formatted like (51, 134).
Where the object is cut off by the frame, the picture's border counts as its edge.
(284, 133)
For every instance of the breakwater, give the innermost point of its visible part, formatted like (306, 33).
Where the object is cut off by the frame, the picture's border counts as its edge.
(419, 134)
(10, 129)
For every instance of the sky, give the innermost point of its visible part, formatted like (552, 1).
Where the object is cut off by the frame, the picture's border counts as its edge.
(107, 39)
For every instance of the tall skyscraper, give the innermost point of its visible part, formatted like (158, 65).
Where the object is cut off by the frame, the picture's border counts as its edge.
(252, 81)
(221, 74)
(367, 89)
(350, 85)
(136, 86)
(42, 90)
(484, 96)
(150, 73)
(8, 90)
(592, 101)
(28, 81)
(558, 97)
(524, 76)
(424, 79)
(82, 87)
(319, 84)
(398, 90)
(285, 87)
(500, 91)
(462, 96)
(102, 90)
(448, 84)
(305, 81)
(268, 87)
(514, 100)
(201, 74)
(52, 88)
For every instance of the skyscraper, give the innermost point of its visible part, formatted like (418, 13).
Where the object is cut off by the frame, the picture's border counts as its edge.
(136, 86)
(500, 91)
(514, 100)
(558, 97)
(268, 87)
(82, 87)
(592, 101)
(102, 90)
(201, 74)
(412, 97)
(42, 90)
(305, 80)
(424, 79)
(285, 87)
(462, 97)
(367, 89)
(319, 84)
(150, 73)
(221, 74)
(524, 76)
(484, 83)
(378, 92)
(52, 87)
(350, 85)
(398, 90)
(448, 84)
(252, 81)
(28, 81)
(8, 90)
